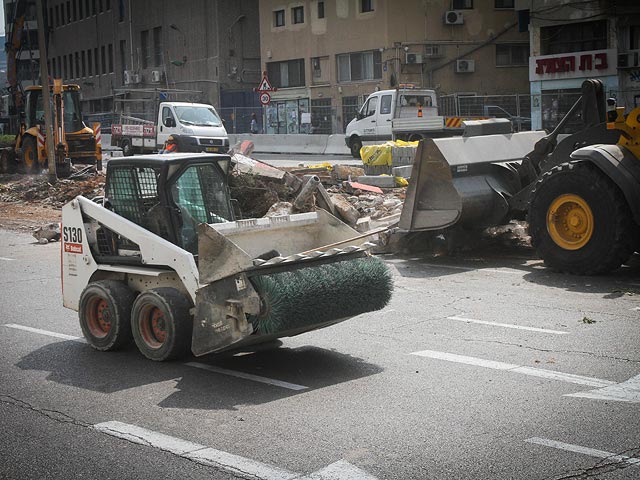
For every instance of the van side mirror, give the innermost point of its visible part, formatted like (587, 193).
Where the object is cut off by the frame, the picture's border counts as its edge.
(169, 122)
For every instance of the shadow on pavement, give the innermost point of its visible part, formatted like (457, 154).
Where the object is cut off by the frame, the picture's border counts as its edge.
(76, 364)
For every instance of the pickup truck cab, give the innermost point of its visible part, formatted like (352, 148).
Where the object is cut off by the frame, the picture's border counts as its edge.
(385, 108)
(197, 124)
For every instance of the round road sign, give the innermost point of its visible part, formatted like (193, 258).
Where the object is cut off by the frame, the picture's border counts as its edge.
(265, 98)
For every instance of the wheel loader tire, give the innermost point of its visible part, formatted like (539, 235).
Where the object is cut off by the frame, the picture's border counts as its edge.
(355, 145)
(161, 324)
(30, 154)
(105, 314)
(579, 220)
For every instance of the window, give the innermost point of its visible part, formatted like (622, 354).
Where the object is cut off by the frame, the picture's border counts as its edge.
(121, 10)
(84, 63)
(146, 48)
(512, 55)
(77, 57)
(573, 37)
(75, 10)
(104, 60)
(320, 9)
(385, 104)
(65, 69)
(286, 74)
(278, 18)
(157, 46)
(320, 70)
(370, 107)
(96, 59)
(462, 4)
(80, 15)
(359, 66)
(54, 72)
(503, 4)
(166, 115)
(68, 17)
(58, 15)
(297, 15)
(89, 63)
(123, 54)
(366, 6)
(111, 58)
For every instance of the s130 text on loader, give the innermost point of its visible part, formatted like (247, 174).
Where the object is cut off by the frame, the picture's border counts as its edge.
(163, 262)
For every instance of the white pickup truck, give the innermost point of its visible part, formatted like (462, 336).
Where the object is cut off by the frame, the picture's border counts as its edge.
(196, 126)
(401, 114)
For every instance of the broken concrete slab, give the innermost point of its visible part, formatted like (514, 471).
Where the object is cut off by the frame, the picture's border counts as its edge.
(384, 181)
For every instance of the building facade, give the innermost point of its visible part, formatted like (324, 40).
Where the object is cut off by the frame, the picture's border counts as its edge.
(122, 50)
(326, 56)
(573, 41)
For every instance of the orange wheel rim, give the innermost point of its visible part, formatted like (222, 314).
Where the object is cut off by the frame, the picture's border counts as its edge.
(98, 317)
(570, 222)
(153, 328)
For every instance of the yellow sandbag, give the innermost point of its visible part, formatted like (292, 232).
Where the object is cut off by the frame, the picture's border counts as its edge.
(375, 155)
(401, 182)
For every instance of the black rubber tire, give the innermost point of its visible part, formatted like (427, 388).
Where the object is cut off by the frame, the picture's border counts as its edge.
(127, 148)
(611, 242)
(355, 145)
(30, 154)
(416, 137)
(7, 161)
(177, 324)
(118, 299)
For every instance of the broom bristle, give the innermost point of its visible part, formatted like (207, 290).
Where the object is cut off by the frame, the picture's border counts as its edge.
(313, 295)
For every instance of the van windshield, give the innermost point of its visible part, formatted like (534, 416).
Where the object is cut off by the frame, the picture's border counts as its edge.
(199, 116)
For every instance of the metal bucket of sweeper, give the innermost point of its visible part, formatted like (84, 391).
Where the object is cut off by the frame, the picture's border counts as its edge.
(464, 180)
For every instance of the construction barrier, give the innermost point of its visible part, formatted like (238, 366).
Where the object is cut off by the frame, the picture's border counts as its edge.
(299, 143)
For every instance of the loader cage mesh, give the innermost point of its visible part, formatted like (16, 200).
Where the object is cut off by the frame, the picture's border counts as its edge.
(133, 194)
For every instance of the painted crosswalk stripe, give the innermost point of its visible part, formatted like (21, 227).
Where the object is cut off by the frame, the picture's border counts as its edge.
(202, 366)
(585, 451)
(247, 376)
(511, 367)
(508, 325)
(44, 332)
(235, 464)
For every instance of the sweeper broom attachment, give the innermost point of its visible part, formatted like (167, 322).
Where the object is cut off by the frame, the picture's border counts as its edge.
(317, 295)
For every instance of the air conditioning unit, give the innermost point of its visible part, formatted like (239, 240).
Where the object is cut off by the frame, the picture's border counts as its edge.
(156, 76)
(465, 66)
(453, 17)
(131, 78)
(630, 59)
(414, 58)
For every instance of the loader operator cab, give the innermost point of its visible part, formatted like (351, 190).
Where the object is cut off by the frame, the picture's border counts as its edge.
(71, 101)
(169, 195)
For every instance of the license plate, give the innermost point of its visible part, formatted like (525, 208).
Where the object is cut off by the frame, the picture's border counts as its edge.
(212, 149)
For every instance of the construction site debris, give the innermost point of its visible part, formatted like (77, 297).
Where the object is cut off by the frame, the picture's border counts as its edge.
(345, 209)
(47, 233)
(347, 172)
(279, 208)
(306, 192)
(367, 188)
(384, 181)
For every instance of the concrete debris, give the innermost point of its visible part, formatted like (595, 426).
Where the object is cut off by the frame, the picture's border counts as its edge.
(346, 211)
(279, 209)
(347, 172)
(47, 233)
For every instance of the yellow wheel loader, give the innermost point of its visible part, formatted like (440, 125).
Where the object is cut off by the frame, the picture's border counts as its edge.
(161, 260)
(581, 194)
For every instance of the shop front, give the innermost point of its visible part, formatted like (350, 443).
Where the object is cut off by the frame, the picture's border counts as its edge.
(556, 82)
(288, 112)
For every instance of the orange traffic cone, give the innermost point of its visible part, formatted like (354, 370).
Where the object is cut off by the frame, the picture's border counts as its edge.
(419, 111)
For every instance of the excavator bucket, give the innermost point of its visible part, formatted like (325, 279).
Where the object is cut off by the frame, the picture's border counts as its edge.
(464, 180)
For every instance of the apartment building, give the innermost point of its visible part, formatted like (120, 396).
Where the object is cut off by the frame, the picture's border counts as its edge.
(326, 56)
(575, 40)
(116, 49)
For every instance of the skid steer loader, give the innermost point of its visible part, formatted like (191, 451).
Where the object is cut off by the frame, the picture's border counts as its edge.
(161, 260)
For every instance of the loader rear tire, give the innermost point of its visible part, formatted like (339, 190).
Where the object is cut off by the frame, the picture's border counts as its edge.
(161, 324)
(105, 314)
(30, 154)
(579, 221)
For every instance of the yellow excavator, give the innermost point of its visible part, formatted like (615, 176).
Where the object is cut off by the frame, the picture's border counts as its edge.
(74, 142)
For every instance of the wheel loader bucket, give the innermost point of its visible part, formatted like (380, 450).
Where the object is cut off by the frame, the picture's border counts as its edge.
(466, 180)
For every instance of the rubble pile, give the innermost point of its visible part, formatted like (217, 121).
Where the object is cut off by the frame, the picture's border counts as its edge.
(36, 189)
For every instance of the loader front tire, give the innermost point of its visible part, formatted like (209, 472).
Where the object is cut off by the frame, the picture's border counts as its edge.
(579, 221)
(30, 154)
(105, 314)
(161, 324)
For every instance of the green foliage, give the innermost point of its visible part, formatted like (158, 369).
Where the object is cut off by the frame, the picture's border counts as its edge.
(313, 295)
(7, 140)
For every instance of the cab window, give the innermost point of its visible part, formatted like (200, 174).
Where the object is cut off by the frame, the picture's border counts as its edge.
(385, 105)
(370, 107)
(167, 113)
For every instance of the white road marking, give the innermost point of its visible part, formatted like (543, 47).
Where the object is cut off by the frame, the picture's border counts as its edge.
(508, 325)
(229, 462)
(534, 372)
(628, 391)
(247, 376)
(584, 450)
(202, 366)
(44, 332)
(8, 259)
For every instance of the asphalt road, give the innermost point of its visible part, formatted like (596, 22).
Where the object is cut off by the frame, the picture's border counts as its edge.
(483, 366)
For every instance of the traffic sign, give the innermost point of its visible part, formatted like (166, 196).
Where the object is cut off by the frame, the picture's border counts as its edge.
(265, 98)
(265, 85)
